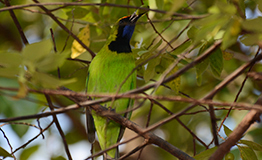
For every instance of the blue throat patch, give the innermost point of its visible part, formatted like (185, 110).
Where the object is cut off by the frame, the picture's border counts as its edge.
(128, 31)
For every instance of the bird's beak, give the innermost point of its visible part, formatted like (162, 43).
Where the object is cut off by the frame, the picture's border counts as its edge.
(138, 13)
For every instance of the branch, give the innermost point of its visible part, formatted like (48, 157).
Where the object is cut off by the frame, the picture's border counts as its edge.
(17, 24)
(50, 104)
(65, 28)
(152, 138)
(237, 134)
(67, 4)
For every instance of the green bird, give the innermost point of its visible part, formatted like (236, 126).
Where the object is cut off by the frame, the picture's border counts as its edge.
(110, 67)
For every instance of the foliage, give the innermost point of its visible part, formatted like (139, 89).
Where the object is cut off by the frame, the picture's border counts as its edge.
(167, 42)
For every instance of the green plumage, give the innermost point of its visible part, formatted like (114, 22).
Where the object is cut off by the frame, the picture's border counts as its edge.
(107, 71)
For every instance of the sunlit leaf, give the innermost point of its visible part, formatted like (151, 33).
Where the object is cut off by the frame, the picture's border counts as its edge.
(77, 49)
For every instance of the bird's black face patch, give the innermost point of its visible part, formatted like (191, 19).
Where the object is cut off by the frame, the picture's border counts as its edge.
(124, 34)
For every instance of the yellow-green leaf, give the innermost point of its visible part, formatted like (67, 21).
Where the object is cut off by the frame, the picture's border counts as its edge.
(252, 145)
(150, 69)
(4, 153)
(205, 154)
(28, 151)
(216, 62)
(22, 92)
(77, 49)
(35, 51)
(227, 130)
(48, 81)
(247, 153)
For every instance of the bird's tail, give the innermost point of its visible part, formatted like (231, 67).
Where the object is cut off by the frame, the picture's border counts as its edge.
(90, 126)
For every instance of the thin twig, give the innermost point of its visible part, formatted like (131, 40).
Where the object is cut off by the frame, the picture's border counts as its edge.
(50, 104)
(17, 24)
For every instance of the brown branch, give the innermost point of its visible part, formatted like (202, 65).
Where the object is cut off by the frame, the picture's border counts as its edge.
(50, 104)
(237, 133)
(31, 140)
(238, 93)
(67, 4)
(8, 142)
(51, 15)
(17, 24)
(152, 138)
(140, 147)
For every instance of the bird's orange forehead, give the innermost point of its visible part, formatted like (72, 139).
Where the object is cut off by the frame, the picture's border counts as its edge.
(124, 17)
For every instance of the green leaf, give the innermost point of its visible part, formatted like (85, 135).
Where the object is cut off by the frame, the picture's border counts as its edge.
(180, 49)
(253, 25)
(58, 158)
(4, 153)
(251, 39)
(48, 81)
(202, 66)
(77, 12)
(155, 46)
(10, 59)
(231, 33)
(259, 5)
(73, 136)
(52, 61)
(205, 154)
(216, 62)
(36, 51)
(166, 61)
(20, 130)
(10, 72)
(150, 69)
(28, 151)
(227, 130)
(247, 153)
(253, 145)
(200, 69)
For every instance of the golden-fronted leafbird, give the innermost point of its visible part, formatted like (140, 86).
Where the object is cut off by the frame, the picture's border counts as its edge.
(110, 67)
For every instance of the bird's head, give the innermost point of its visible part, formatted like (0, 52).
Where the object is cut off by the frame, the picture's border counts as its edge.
(123, 32)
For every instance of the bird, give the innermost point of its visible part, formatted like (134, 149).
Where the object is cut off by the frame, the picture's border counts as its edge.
(107, 71)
